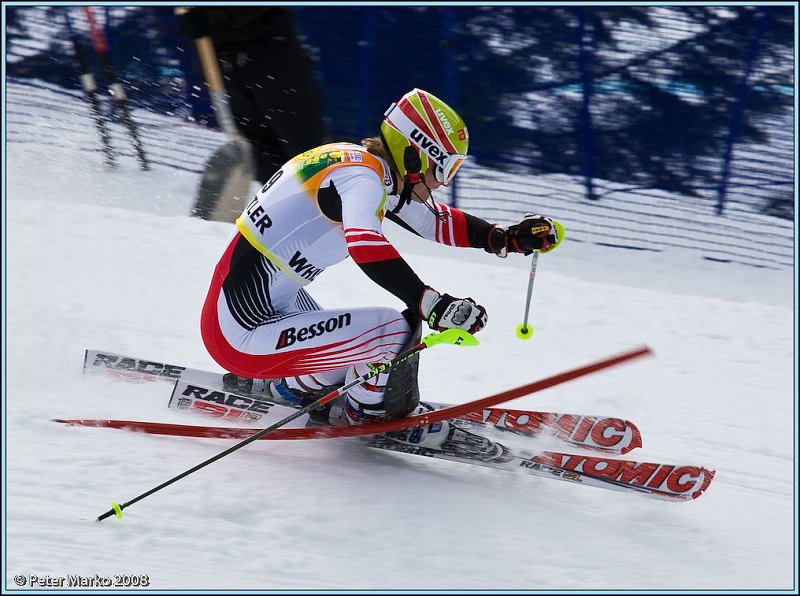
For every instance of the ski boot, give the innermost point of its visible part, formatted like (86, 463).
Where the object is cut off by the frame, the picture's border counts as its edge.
(331, 414)
(278, 391)
(433, 435)
(246, 386)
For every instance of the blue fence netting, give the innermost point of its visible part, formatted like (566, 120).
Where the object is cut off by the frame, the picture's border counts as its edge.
(636, 107)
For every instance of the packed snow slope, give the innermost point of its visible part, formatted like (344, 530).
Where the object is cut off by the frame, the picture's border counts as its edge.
(109, 259)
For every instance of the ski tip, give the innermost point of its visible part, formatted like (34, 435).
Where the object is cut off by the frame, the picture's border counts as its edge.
(636, 437)
(708, 476)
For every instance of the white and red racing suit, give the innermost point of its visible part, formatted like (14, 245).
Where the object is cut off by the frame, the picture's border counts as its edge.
(322, 206)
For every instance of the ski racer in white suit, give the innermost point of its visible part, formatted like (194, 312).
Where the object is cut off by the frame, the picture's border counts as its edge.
(326, 204)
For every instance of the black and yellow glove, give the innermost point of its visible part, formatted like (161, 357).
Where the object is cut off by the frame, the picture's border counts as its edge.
(534, 232)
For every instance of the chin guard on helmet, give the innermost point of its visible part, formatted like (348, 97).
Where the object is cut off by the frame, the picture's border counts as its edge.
(413, 165)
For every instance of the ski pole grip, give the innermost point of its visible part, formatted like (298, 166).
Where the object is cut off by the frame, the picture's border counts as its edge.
(456, 337)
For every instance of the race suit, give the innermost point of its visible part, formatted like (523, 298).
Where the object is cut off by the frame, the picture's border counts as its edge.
(322, 206)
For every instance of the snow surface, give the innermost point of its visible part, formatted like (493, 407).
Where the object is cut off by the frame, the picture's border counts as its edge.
(108, 259)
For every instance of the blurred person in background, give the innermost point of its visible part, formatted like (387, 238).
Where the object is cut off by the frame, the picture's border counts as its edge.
(275, 100)
(328, 203)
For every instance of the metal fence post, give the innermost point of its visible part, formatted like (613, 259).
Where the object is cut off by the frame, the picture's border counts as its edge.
(587, 141)
(737, 111)
(365, 75)
(449, 75)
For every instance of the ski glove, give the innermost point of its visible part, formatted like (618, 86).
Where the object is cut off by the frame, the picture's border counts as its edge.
(442, 311)
(534, 232)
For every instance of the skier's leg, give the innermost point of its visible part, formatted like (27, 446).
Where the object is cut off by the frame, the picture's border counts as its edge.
(394, 395)
(259, 323)
(389, 395)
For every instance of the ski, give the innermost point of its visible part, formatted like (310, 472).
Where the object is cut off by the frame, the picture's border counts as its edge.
(656, 480)
(139, 369)
(205, 391)
(660, 481)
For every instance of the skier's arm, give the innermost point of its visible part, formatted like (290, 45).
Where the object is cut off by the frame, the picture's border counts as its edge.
(458, 228)
(362, 202)
(453, 227)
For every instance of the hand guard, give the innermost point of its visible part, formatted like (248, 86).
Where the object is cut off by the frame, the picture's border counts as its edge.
(445, 312)
(534, 232)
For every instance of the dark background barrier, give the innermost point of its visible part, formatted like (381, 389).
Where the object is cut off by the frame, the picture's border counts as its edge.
(629, 101)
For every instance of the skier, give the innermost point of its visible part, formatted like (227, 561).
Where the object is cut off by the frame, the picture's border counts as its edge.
(259, 322)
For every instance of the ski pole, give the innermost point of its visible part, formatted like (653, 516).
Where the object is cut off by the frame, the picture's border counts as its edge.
(117, 90)
(456, 337)
(90, 91)
(523, 330)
